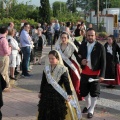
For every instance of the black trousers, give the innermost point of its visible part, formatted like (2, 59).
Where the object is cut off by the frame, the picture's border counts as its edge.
(56, 36)
(85, 87)
(0, 115)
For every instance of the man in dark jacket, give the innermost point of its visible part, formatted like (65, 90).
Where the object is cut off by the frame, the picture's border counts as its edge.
(93, 62)
(2, 86)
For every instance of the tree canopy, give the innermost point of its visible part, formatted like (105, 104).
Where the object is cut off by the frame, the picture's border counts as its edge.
(45, 11)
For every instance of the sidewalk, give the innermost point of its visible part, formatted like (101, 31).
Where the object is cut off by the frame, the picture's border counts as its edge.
(20, 104)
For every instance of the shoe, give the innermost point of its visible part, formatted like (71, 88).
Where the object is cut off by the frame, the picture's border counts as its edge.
(89, 115)
(28, 75)
(16, 73)
(13, 78)
(29, 71)
(7, 89)
(85, 110)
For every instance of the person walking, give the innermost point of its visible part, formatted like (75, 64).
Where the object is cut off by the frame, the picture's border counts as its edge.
(69, 52)
(112, 48)
(92, 59)
(58, 99)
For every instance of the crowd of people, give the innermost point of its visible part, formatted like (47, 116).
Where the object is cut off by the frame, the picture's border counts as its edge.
(67, 70)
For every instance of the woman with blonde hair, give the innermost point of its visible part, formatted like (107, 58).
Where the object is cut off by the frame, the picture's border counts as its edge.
(14, 52)
(38, 45)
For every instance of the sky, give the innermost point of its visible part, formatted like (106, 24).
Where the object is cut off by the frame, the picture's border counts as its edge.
(37, 2)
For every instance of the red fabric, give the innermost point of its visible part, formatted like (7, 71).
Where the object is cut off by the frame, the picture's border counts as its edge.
(117, 80)
(88, 71)
(75, 80)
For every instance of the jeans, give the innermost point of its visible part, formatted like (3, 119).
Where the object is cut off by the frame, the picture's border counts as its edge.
(26, 59)
(49, 39)
(0, 115)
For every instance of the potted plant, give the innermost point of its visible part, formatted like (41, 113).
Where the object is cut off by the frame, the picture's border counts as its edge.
(101, 36)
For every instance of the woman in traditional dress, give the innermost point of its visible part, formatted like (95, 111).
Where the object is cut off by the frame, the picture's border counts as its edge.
(112, 48)
(58, 100)
(68, 52)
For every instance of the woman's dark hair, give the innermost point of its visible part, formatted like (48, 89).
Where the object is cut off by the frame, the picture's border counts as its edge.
(3, 29)
(68, 24)
(25, 24)
(113, 38)
(65, 34)
(78, 26)
(54, 53)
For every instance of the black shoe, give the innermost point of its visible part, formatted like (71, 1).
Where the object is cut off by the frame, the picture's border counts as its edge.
(12, 78)
(27, 75)
(16, 73)
(89, 115)
(85, 110)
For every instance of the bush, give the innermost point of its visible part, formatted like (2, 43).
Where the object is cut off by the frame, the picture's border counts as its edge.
(101, 36)
(17, 23)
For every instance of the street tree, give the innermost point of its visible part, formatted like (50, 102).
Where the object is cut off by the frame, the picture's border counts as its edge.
(92, 4)
(58, 8)
(44, 11)
(71, 4)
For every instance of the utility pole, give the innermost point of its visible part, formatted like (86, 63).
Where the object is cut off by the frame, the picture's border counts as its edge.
(106, 7)
(97, 15)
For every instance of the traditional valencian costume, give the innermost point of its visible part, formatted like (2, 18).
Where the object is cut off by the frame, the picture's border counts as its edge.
(68, 56)
(55, 87)
(112, 64)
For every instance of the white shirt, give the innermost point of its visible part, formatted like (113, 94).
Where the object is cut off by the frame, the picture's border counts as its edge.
(14, 45)
(109, 49)
(89, 50)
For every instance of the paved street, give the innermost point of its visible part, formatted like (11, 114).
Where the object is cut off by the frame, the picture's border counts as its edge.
(21, 102)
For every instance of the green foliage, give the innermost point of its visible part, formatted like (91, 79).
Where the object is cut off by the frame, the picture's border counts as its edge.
(59, 7)
(72, 17)
(71, 4)
(17, 23)
(19, 11)
(102, 34)
(92, 4)
(45, 11)
(114, 3)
